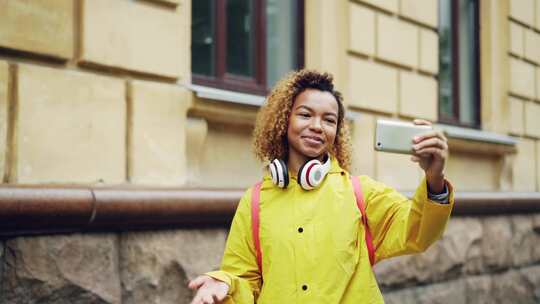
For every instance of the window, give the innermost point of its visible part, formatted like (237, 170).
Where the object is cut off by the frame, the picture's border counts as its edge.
(459, 65)
(245, 45)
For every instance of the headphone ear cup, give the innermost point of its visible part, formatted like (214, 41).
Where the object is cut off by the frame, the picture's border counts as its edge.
(306, 173)
(285, 173)
(299, 175)
(279, 173)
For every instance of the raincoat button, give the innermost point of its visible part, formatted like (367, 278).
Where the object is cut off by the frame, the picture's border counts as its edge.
(300, 230)
(304, 287)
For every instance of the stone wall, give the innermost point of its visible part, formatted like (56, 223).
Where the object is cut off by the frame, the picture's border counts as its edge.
(492, 259)
(135, 267)
(478, 260)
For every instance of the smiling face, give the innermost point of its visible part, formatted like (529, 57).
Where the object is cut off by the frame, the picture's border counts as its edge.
(312, 125)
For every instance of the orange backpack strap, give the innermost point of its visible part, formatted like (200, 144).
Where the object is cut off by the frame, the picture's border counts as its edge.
(362, 206)
(255, 223)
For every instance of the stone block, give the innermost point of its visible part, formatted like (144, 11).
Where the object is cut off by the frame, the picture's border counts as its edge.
(71, 127)
(386, 5)
(156, 266)
(513, 287)
(61, 269)
(41, 27)
(4, 109)
(429, 51)
(216, 163)
(523, 240)
(536, 229)
(523, 11)
(363, 136)
(361, 29)
(538, 170)
(522, 78)
(532, 277)
(537, 15)
(532, 119)
(397, 41)
(418, 96)
(396, 272)
(326, 37)
(496, 242)
(538, 83)
(523, 171)
(536, 223)
(425, 12)
(458, 250)
(403, 296)
(532, 46)
(138, 37)
(158, 134)
(372, 86)
(397, 171)
(473, 172)
(447, 292)
(196, 131)
(468, 250)
(517, 39)
(517, 115)
(478, 289)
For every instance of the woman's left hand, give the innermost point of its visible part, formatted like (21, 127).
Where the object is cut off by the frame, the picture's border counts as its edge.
(431, 152)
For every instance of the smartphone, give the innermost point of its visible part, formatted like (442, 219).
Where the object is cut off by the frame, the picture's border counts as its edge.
(397, 136)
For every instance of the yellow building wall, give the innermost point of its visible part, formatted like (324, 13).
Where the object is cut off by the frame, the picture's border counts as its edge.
(524, 89)
(94, 92)
(98, 92)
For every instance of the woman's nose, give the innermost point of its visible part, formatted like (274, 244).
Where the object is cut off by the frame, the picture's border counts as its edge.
(316, 124)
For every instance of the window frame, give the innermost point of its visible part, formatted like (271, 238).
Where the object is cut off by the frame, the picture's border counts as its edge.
(455, 118)
(251, 85)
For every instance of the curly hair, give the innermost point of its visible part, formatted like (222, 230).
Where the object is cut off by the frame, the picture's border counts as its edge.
(270, 134)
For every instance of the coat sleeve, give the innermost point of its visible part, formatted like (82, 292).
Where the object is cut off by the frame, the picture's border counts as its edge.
(401, 226)
(239, 266)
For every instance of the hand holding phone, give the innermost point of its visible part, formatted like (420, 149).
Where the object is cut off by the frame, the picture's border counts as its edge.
(397, 136)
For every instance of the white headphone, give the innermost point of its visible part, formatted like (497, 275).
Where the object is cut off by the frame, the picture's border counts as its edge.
(310, 174)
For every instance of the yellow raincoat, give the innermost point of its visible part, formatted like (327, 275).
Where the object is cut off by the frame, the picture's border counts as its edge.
(312, 242)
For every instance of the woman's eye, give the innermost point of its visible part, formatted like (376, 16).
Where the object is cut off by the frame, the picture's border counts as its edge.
(329, 120)
(304, 114)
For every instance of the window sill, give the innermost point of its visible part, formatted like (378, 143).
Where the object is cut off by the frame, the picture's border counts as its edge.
(209, 93)
(478, 142)
(225, 95)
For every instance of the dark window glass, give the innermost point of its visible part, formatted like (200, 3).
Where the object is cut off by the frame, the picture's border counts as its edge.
(468, 65)
(281, 38)
(203, 37)
(445, 59)
(240, 40)
(459, 86)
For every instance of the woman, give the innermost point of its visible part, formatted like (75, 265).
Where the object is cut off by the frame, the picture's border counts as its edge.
(312, 241)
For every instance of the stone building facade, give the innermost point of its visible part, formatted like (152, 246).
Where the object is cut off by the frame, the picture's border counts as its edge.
(101, 93)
